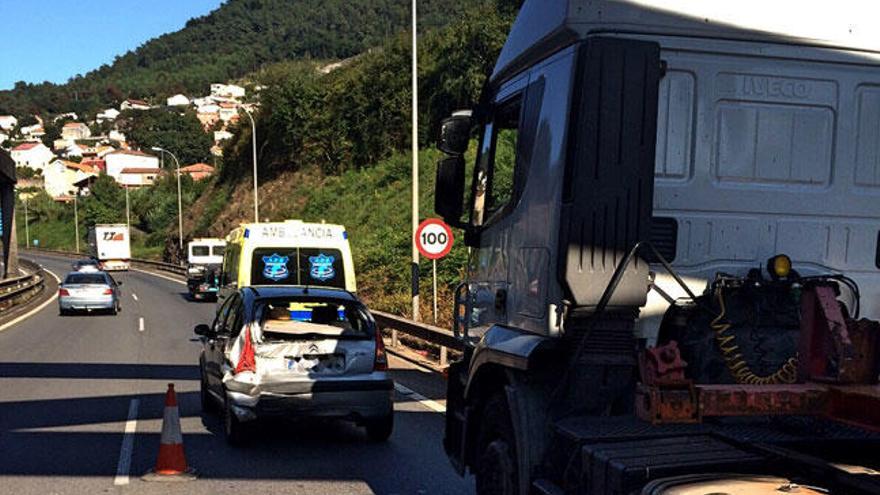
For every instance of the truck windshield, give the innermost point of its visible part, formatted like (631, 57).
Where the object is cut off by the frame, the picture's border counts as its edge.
(201, 251)
(283, 319)
(218, 250)
(85, 278)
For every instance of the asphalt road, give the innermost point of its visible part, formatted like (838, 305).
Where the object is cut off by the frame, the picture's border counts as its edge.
(68, 386)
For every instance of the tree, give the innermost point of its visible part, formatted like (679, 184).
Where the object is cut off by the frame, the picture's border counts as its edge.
(179, 133)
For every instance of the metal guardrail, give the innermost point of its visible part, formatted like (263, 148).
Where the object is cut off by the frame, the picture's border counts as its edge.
(18, 290)
(159, 265)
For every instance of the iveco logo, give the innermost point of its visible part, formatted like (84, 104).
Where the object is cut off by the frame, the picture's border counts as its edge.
(313, 349)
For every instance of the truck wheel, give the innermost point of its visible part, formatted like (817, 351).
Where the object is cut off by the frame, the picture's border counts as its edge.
(379, 429)
(233, 429)
(497, 472)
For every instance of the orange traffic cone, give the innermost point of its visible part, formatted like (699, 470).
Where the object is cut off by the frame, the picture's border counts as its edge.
(171, 463)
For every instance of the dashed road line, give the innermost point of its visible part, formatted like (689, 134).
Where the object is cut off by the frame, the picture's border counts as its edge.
(37, 309)
(124, 465)
(421, 399)
(148, 272)
(134, 296)
(141, 324)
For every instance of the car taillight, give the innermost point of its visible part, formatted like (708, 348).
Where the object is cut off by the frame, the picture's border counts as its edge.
(108, 292)
(381, 362)
(63, 292)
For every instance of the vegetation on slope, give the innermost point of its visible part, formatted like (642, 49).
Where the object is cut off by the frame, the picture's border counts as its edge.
(238, 38)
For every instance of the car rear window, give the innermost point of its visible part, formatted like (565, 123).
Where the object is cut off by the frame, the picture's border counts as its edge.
(218, 250)
(286, 319)
(298, 266)
(85, 278)
(201, 251)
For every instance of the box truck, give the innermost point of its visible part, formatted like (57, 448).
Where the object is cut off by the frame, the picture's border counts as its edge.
(111, 246)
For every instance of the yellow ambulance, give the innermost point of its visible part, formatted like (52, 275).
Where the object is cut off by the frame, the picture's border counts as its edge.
(292, 252)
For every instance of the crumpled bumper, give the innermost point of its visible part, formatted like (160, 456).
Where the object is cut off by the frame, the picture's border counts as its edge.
(363, 397)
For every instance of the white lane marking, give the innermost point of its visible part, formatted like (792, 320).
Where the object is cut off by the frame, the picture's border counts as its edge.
(35, 310)
(159, 275)
(124, 465)
(141, 324)
(421, 399)
(134, 296)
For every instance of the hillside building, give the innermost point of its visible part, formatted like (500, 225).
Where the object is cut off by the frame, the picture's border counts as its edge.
(120, 160)
(34, 156)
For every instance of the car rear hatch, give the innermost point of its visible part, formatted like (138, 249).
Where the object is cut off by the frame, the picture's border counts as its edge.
(86, 291)
(310, 342)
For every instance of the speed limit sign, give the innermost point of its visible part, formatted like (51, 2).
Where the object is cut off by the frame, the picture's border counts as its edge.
(434, 238)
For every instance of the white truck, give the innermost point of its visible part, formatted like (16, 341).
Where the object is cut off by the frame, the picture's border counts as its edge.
(204, 264)
(111, 246)
(672, 214)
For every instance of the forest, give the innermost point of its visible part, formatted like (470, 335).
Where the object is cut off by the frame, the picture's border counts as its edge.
(238, 38)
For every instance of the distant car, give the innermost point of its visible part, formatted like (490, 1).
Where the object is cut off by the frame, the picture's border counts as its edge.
(88, 265)
(89, 291)
(293, 352)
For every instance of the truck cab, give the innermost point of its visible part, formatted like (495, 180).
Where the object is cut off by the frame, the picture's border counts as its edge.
(631, 154)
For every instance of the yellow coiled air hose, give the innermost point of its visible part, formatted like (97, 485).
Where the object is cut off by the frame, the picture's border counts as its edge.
(736, 363)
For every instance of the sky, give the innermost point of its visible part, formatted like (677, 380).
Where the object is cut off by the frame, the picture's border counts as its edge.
(53, 40)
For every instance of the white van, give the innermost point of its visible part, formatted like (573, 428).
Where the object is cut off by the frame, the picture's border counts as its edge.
(292, 252)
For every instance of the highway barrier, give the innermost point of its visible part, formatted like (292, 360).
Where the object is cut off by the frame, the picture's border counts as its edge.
(138, 263)
(19, 290)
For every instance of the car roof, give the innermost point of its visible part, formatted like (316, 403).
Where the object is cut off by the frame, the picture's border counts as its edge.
(272, 291)
(96, 272)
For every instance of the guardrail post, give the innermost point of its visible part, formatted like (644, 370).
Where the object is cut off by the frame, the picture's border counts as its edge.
(393, 338)
(443, 356)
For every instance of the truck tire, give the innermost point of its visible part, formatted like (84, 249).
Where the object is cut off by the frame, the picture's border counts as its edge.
(497, 472)
(379, 429)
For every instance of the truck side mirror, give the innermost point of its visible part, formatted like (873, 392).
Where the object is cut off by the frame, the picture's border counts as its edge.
(449, 189)
(203, 330)
(455, 134)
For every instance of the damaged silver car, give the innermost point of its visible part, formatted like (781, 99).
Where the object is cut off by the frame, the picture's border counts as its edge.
(295, 352)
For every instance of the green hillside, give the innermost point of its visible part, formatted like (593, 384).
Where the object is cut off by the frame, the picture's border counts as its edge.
(239, 37)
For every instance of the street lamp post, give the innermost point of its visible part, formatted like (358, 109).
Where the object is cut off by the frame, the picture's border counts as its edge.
(76, 221)
(415, 165)
(254, 144)
(27, 231)
(179, 200)
(127, 210)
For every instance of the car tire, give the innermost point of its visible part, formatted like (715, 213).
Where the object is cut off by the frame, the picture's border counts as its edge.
(208, 405)
(496, 470)
(63, 312)
(379, 429)
(233, 429)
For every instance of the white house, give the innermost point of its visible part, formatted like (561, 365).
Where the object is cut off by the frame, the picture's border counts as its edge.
(178, 101)
(208, 108)
(119, 160)
(32, 155)
(68, 115)
(138, 177)
(33, 131)
(60, 177)
(109, 114)
(222, 136)
(227, 90)
(228, 111)
(75, 130)
(8, 122)
(134, 105)
(74, 151)
(115, 135)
